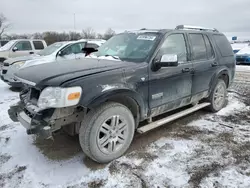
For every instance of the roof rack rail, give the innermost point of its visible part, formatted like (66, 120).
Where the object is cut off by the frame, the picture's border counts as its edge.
(189, 27)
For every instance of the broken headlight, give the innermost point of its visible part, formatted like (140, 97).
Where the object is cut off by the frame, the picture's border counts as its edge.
(57, 97)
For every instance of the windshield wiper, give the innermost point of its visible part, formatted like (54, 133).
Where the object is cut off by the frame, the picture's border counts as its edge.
(115, 57)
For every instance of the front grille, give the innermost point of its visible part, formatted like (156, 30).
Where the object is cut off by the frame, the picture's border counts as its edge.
(34, 95)
(4, 71)
(28, 113)
(29, 95)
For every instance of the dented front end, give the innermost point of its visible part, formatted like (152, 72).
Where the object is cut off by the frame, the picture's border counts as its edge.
(44, 122)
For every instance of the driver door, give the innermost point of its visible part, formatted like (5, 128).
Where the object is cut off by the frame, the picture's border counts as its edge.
(23, 48)
(171, 87)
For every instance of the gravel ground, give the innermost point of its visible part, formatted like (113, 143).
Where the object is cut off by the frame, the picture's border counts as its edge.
(200, 150)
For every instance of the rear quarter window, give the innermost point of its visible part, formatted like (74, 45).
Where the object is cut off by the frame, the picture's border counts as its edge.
(38, 45)
(224, 46)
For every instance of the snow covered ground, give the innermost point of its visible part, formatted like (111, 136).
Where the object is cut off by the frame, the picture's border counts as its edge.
(203, 149)
(243, 68)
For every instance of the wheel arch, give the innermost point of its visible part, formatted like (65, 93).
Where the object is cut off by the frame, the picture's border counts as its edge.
(126, 97)
(220, 74)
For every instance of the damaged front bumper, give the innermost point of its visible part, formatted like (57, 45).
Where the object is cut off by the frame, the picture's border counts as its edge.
(45, 123)
(32, 123)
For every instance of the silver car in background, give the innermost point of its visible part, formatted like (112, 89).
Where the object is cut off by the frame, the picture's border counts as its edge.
(56, 52)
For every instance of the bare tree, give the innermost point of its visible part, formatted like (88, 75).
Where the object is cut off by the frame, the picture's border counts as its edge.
(99, 36)
(108, 34)
(88, 33)
(3, 24)
(37, 36)
(17, 36)
(74, 35)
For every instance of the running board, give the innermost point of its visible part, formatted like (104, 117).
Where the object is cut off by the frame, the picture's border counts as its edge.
(173, 117)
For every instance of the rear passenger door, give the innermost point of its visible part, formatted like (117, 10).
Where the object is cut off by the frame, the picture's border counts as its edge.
(204, 63)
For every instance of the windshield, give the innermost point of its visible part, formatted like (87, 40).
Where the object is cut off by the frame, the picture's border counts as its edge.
(129, 46)
(51, 49)
(7, 46)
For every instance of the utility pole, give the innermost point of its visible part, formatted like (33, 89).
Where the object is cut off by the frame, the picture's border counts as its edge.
(74, 21)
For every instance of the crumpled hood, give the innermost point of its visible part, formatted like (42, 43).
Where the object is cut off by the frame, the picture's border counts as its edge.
(54, 74)
(22, 58)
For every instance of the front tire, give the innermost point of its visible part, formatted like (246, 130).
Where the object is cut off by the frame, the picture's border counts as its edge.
(107, 132)
(217, 96)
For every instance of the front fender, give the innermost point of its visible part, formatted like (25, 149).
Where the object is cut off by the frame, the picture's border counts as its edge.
(111, 91)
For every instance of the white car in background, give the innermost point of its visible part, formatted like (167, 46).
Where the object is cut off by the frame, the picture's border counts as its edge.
(56, 52)
(21, 47)
(238, 46)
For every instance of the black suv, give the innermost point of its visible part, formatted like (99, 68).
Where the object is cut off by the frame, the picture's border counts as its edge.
(133, 77)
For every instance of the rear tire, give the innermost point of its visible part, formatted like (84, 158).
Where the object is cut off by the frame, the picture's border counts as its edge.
(218, 96)
(107, 132)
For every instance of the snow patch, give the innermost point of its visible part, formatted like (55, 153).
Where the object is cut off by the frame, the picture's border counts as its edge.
(229, 178)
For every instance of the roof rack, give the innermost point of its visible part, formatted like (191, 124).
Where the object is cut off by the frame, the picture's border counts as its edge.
(189, 27)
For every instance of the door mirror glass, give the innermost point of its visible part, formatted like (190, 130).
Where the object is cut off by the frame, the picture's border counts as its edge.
(61, 53)
(168, 60)
(14, 49)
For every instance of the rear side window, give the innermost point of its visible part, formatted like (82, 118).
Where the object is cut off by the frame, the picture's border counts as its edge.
(224, 46)
(198, 47)
(38, 45)
(210, 52)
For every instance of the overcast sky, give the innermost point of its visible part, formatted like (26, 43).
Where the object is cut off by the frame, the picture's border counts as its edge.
(27, 16)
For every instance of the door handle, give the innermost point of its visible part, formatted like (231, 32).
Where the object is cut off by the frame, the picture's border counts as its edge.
(31, 52)
(214, 64)
(186, 70)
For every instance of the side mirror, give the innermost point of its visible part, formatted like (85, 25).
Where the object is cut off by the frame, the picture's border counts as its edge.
(60, 53)
(14, 49)
(167, 60)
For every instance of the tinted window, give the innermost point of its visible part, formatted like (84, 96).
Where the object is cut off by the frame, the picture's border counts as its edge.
(23, 46)
(91, 45)
(175, 44)
(38, 45)
(198, 47)
(223, 45)
(210, 52)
